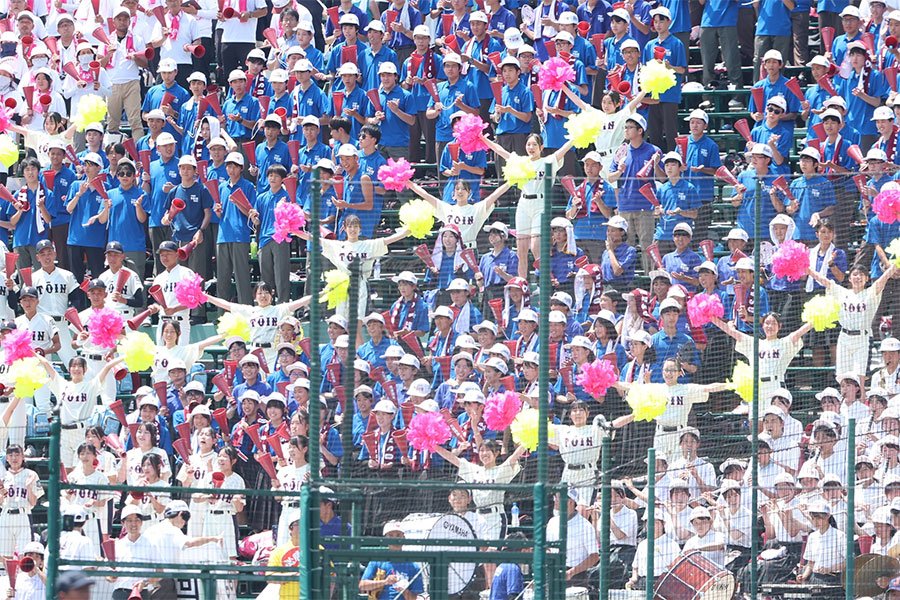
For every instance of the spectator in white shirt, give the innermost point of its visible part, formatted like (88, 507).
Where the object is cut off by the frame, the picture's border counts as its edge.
(31, 584)
(665, 552)
(173, 40)
(134, 548)
(709, 542)
(581, 541)
(825, 548)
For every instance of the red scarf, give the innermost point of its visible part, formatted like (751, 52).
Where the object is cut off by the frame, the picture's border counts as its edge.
(259, 86)
(836, 156)
(129, 46)
(397, 310)
(890, 145)
(174, 26)
(429, 70)
(387, 450)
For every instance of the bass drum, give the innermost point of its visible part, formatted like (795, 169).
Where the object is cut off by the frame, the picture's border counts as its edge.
(695, 577)
(426, 526)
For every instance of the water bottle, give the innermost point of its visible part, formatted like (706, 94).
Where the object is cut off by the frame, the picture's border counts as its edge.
(376, 270)
(514, 512)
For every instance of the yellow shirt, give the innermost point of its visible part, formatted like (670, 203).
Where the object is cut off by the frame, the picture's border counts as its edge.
(286, 555)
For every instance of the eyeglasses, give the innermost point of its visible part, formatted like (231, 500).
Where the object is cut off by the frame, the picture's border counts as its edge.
(774, 110)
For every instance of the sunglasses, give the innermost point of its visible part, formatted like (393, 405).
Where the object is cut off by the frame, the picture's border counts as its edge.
(773, 109)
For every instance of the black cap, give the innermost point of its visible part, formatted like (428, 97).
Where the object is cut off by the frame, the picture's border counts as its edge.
(115, 247)
(96, 283)
(43, 245)
(28, 290)
(7, 325)
(168, 245)
(69, 581)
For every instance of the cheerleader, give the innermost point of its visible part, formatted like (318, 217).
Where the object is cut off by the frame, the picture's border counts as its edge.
(291, 477)
(465, 215)
(264, 317)
(19, 492)
(224, 508)
(531, 205)
(775, 354)
(130, 469)
(170, 349)
(151, 504)
(682, 397)
(192, 474)
(579, 447)
(858, 306)
(93, 502)
(342, 252)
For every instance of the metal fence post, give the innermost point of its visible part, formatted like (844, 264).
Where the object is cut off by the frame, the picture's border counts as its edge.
(349, 376)
(53, 524)
(754, 408)
(311, 514)
(540, 545)
(605, 516)
(851, 507)
(651, 521)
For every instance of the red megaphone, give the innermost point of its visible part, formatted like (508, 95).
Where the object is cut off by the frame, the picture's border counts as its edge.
(271, 36)
(176, 207)
(71, 315)
(72, 71)
(221, 414)
(135, 321)
(147, 53)
(119, 410)
(229, 12)
(218, 479)
(156, 293)
(890, 41)
(28, 92)
(198, 50)
(185, 251)
(253, 432)
(45, 100)
(100, 34)
(10, 103)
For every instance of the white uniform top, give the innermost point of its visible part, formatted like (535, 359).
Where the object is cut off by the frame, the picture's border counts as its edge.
(42, 328)
(53, 290)
(766, 479)
(781, 532)
(146, 506)
(626, 520)
(6, 313)
(581, 538)
(168, 542)
(124, 70)
(202, 463)
(577, 445)
(167, 280)
(712, 537)
(738, 521)
(836, 464)
(857, 310)
(88, 348)
(612, 132)
(472, 473)
(133, 460)
(225, 501)
(292, 479)
(774, 355)
(665, 551)
(29, 586)
(263, 321)
(132, 285)
(17, 490)
(887, 380)
(84, 497)
(860, 412)
(661, 491)
(535, 187)
(468, 218)
(108, 463)
(233, 30)
(188, 31)
(73, 545)
(682, 396)
(786, 451)
(680, 468)
(76, 400)
(132, 552)
(340, 253)
(827, 550)
(190, 354)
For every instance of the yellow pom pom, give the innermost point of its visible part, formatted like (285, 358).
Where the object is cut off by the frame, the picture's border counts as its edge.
(418, 217)
(893, 251)
(647, 400)
(822, 312)
(742, 381)
(90, 109)
(231, 324)
(139, 351)
(583, 127)
(656, 79)
(9, 151)
(28, 375)
(337, 286)
(524, 429)
(519, 170)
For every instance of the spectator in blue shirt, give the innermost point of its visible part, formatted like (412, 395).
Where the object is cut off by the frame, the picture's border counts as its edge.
(864, 90)
(396, 116)
(162, 178)
(168, 71)
(374, 349)
(618, 25)
(30, 217)
(497, 266)
(776, 134)
(514, 111)
(430, 66)
(508, 583)
(374, 56)
(851, 26)
(815, 96)
(678, 203)
(87, 237)
(125, 216)
(408, 312)
(773, 84)
(454, 95)
(274, 257)
(681, 264)
(233, 243)
(669, 343)
(350, 27)
(380, 577)
(663, 119)
(813, 197)
(746, 196)
(272, 152)
(363, 196)
(593, 203)
(617, 264)
(240, 108)
(719, 32)
(63, 178)
(773, 30)
(702, 160)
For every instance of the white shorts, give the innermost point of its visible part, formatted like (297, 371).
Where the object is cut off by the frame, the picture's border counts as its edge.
(69, 440)
(666, 443)
(852, 354)
(15, 532)
(528, 215)
(583, 482)
(222, 524)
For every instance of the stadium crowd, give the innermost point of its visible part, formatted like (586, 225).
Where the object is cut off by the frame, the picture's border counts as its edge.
(154, 141)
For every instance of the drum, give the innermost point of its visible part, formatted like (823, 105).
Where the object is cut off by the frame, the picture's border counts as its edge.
(576, 593)
(694, 577)
(626, 595)
(425, 526)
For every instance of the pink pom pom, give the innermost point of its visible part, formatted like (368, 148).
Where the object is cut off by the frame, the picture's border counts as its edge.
(500, 410)
(887, 206)
(468, 131)
(5, 121)
(189, 292)
(394, 175)
(702, 307)
(17, 344)
(289, 219)
(597, 377)
(427, 431)
(791, 260)
(554, 74)
(105, 325)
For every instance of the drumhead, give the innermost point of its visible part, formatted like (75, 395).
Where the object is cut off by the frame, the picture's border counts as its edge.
(720, 587)
(454, 527)
(576, 593)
